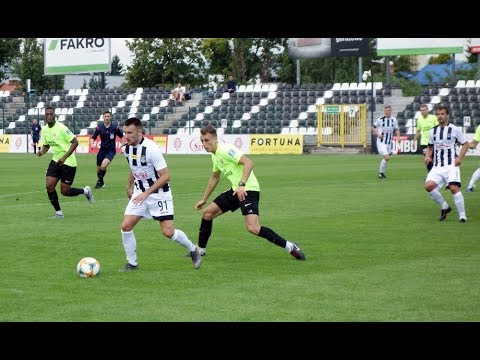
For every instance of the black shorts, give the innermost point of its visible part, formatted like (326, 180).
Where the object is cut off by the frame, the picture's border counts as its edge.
(105, 154)
(65, 173)
(227, 201)
(35, 139)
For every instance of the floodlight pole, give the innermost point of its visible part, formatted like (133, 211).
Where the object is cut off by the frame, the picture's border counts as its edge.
(298, 72)
(3, 116)
(365, 76)
(26, 114)
(373, 93)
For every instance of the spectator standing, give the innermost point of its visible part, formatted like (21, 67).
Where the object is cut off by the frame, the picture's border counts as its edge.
(244, 193)
(35, 133)
(63, 165)
(384, 128)
(425, 122)
(108, 133)
(151, 196)
(446, 165)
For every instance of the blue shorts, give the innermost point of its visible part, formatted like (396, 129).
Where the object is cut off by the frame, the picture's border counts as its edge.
(105, 154)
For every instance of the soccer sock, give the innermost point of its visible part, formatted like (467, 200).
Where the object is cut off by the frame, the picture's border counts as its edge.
(459, 203)
(272, 236)
(130, 246)
(76, 192)
(438, 198)
(101, 174)
(204, 232)
(180, 237)
(53, 196)
(474, 179)
(383, 166)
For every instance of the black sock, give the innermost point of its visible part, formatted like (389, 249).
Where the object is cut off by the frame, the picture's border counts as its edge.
(204, 232)
(76, 192)
(101, 174)
(272, 236)
(53, 196)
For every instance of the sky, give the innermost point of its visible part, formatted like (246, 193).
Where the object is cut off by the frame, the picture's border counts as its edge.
(119, 48)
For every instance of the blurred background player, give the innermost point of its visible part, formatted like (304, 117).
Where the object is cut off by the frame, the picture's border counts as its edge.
(63, 165)
(108, 133)
(383, 128)
(425, 122)
(35, 132)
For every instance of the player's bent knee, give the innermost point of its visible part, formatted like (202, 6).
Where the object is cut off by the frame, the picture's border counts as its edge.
(253, 229)
(208, 214)
(126, 227)
(168, 233)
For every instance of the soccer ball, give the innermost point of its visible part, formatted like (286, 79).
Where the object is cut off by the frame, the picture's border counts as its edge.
(88, 267)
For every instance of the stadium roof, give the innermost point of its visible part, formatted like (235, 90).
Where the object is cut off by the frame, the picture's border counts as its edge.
(436, 73)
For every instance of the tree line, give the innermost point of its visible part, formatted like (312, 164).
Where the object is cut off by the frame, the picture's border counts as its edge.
(195, 61)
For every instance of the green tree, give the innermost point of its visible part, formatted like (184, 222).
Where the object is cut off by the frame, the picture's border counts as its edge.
(328, 69)
(244, 63)
(117, 67)
(287, 68)
(244, 58)
(219, 56)
(268, 53)
(9, 50)
(165, 61)
(30, 65)
(440, 59)
(404, 63)
(97, 81)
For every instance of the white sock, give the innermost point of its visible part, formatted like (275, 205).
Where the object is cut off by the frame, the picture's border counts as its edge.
(130, 246)
(288, 246)
(383, 166)
(438, 198)
(460, 204)
(474, 179)
(180, 237)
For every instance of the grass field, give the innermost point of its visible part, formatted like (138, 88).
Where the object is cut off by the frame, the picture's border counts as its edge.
(375, 249)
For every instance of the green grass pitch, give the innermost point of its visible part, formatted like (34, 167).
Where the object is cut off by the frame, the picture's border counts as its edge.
(375, 249)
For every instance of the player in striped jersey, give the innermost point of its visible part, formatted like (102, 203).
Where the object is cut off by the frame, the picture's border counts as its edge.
(151, 197)
(446, 165)
(383, 128)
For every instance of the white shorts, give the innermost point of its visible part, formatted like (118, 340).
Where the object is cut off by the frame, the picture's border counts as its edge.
(443, 175)
(384, 149)
(156, 205)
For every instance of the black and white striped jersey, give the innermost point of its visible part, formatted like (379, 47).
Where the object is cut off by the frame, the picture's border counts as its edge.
(144, 160)
(443, 140)
(387, 127)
